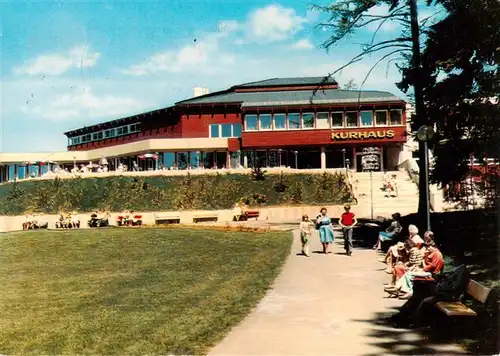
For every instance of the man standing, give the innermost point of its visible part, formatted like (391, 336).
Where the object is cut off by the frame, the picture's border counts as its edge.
(347, 222)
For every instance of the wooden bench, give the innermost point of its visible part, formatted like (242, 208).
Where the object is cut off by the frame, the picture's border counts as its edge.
(166, 219)
(205, 217)
(475, 290)
(252, 214)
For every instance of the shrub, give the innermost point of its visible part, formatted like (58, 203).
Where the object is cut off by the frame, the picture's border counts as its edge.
(207, 192)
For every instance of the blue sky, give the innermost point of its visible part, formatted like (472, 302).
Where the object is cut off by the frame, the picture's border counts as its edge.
(66, 64)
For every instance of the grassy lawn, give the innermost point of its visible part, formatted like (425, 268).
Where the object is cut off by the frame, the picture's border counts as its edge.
(130, 291)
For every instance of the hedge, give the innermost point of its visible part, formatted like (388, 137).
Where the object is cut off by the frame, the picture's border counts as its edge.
(172, 193)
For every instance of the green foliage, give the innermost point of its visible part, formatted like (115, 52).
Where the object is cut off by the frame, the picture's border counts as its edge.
(188, 192)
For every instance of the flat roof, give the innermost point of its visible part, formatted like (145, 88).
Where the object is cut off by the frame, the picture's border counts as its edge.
(294, 81)
(294, 97)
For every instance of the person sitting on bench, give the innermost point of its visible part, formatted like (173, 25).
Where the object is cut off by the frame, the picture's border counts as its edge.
(392, 254)
(415, 262)
(433, 264)
(393, 230)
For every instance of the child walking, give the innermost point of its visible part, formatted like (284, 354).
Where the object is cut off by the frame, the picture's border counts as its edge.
(305, 234)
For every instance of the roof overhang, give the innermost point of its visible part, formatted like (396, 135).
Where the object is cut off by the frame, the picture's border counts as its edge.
(122, 150)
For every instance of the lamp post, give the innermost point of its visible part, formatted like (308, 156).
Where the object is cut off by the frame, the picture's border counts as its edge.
(425, 134)
(279, 157)
(343, 157)
(296, 153)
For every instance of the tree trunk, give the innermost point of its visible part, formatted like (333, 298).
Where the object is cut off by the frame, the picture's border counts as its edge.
(418, 116)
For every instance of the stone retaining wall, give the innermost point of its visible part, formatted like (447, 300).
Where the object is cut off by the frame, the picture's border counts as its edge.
(276, 214)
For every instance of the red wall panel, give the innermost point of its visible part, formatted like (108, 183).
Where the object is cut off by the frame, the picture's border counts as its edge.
(197, 125)
(319, 137)
(233, 144)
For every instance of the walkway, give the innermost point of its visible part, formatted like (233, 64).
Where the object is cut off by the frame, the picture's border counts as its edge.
(327, 305)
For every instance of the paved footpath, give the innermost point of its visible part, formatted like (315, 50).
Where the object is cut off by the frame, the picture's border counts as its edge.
(327, 305)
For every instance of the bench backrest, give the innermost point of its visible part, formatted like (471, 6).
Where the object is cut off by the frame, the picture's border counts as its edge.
(478, 291)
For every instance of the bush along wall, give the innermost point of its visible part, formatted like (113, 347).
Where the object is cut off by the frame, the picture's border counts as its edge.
(188, 192)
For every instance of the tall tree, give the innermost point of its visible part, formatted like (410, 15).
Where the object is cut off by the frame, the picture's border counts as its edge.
(460, 62)
(454, 80)
(347, 16)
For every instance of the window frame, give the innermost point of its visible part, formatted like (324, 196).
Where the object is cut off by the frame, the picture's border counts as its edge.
(270, 122)
(288, 121)
(230, 130)
(256, 122)
(386, 117)
(361, 121)
(346, 122)
(344, 118)
(302, 121)
(285, 122)
(218, 130)
(328, 119)
(390, 117)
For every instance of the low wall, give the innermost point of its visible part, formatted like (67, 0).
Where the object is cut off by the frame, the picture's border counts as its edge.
(278, 214)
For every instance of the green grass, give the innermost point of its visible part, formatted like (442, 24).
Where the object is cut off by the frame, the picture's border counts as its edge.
(131, 291)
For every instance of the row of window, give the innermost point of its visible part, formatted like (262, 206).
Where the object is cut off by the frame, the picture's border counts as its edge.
(104, 134)
(225, 130)
(323, 120)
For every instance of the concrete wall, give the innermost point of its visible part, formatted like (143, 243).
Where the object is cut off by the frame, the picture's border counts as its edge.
(276, 214)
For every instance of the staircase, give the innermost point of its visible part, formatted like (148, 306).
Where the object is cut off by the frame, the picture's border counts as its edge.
(406, 201)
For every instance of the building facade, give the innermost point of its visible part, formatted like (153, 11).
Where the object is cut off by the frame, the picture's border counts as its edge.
(294, 122)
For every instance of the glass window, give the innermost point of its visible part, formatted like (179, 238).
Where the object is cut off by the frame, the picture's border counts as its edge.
(182, 160)
(337, 119)
(168, 159)
(352, 119)
(94, 136)
(214, 131)
(100, 135)
(107, 133)
(280, 121)
(265, 122)
(396, 117)
(251, 122)
(381, 118)
(125, 130)
(322, 120)
(226, 130)
(236, 130)
(308, 121)
(220, 158)
(207, 159)
(119, 131)
(366, 118)
(194, 159)
(293, 121)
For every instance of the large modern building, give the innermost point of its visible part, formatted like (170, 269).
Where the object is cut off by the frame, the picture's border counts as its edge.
(295, 122)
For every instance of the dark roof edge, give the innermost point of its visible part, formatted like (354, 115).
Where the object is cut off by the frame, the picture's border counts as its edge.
(215, 93)
(131, 117)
